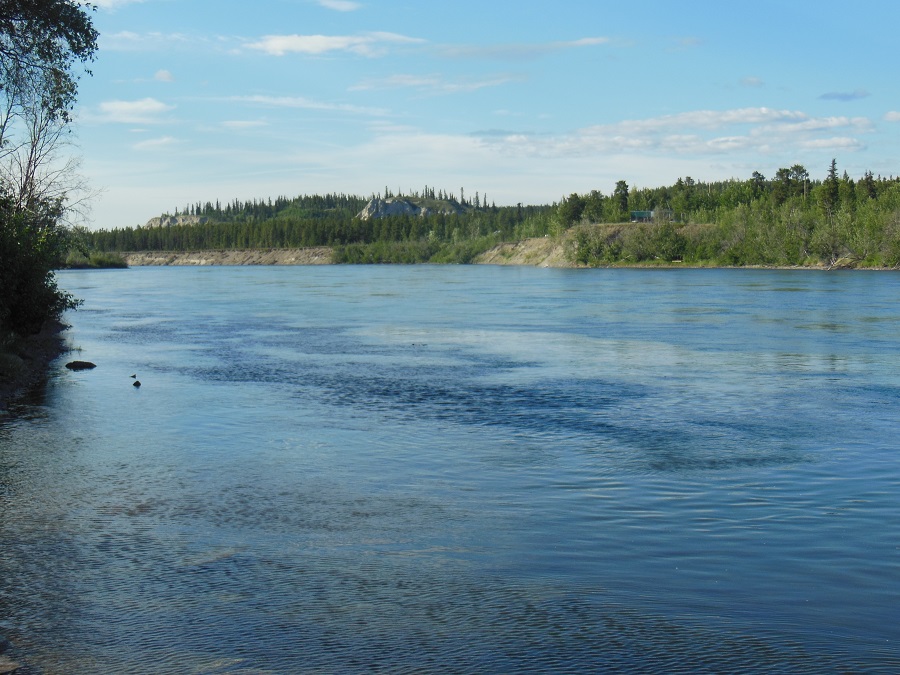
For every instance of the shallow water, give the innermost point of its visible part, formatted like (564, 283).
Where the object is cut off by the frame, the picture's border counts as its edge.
(460, 469)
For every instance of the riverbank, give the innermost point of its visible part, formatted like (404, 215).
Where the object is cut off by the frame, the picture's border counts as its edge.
(537, 252)
(24, 362)
(321, 255)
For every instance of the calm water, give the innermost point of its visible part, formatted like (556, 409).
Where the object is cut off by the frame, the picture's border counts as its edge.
(461, 469)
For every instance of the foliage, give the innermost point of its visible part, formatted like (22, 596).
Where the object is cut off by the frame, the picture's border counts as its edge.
(31, 246)
(96, 260)
(41, 43)
(331, 220)
(786, 221)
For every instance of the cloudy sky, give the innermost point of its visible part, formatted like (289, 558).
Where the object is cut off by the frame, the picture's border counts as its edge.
(205, 100)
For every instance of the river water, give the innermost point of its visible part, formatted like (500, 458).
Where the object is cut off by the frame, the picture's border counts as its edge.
(460, 469)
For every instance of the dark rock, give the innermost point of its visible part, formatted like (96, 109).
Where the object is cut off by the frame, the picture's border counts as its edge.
(136, 383)
(80, 365)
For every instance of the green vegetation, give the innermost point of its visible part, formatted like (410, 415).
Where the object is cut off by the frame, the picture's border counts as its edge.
(787, 221)
(95, 260)
(41, 45)
(453, 231)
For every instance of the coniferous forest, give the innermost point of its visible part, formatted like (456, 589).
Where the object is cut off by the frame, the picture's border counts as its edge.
(788, 219)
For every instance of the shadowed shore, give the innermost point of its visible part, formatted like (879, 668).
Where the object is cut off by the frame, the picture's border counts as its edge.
(24, 365)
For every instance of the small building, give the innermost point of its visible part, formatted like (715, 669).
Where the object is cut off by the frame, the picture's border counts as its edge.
(651, 216)
(641, 216)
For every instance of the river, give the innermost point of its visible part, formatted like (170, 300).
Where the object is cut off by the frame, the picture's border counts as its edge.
(460, 469)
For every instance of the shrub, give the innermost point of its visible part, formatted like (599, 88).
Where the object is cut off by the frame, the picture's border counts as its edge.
(31, 247)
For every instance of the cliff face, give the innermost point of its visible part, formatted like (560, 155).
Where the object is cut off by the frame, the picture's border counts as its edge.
(398, 206)
(168, 221)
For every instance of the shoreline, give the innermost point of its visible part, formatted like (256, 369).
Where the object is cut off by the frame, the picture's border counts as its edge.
(320, 255)
(26, 366)
(536, 252)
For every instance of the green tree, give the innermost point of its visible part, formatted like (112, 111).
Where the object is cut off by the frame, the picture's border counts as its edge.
(800, 180)
(758, 184)
(42, 43)
(620, 198)
(593, 206)
(783, 186)
(830, 193)
(570, 209)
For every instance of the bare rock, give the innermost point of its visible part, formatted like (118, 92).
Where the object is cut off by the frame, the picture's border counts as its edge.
(80, 365)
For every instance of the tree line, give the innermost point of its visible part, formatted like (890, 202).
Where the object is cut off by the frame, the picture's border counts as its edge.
(330, 220)
(789, 219)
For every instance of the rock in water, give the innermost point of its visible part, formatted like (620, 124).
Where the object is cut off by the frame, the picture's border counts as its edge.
(136, 383)
(80, 365)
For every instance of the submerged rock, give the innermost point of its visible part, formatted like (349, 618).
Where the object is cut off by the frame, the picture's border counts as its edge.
(80, 365)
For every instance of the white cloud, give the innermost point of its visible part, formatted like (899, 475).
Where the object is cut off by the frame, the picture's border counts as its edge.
(432, 83)
(143, 111)
(751, 82)
(129, 41)
(302, 103)
(163, 76)
(892, 116)
(340, 5)
(693, 133)
(155, 143)
(517, 52)
(369, 44)
(835, 143)
(244, 124)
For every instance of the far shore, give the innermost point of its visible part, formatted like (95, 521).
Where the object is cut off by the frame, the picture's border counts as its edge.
(322, 255)
(535, 252)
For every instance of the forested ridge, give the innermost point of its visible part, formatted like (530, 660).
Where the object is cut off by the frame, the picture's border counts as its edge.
(332, 220)
(788, 219)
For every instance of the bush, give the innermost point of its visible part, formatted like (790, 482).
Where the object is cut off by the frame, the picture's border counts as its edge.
(31, 247)
(96, 260)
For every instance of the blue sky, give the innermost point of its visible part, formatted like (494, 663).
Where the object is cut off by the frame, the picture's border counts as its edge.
(201, 100)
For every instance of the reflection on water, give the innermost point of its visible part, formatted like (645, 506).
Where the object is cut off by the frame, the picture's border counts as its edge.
(460, 469)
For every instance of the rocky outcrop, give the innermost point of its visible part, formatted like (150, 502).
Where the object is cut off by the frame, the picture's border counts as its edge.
(168, 221)
(399, 206)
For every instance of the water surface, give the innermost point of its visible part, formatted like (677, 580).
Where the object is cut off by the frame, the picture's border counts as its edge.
(460, 469)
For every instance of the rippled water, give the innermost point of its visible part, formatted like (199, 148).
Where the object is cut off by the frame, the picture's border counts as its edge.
(460, 469)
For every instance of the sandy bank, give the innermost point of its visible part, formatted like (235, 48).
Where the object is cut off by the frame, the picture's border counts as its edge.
(537, 252)
(288, 256)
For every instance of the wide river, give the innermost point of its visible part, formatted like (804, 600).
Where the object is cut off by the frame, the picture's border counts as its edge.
(460, 469)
